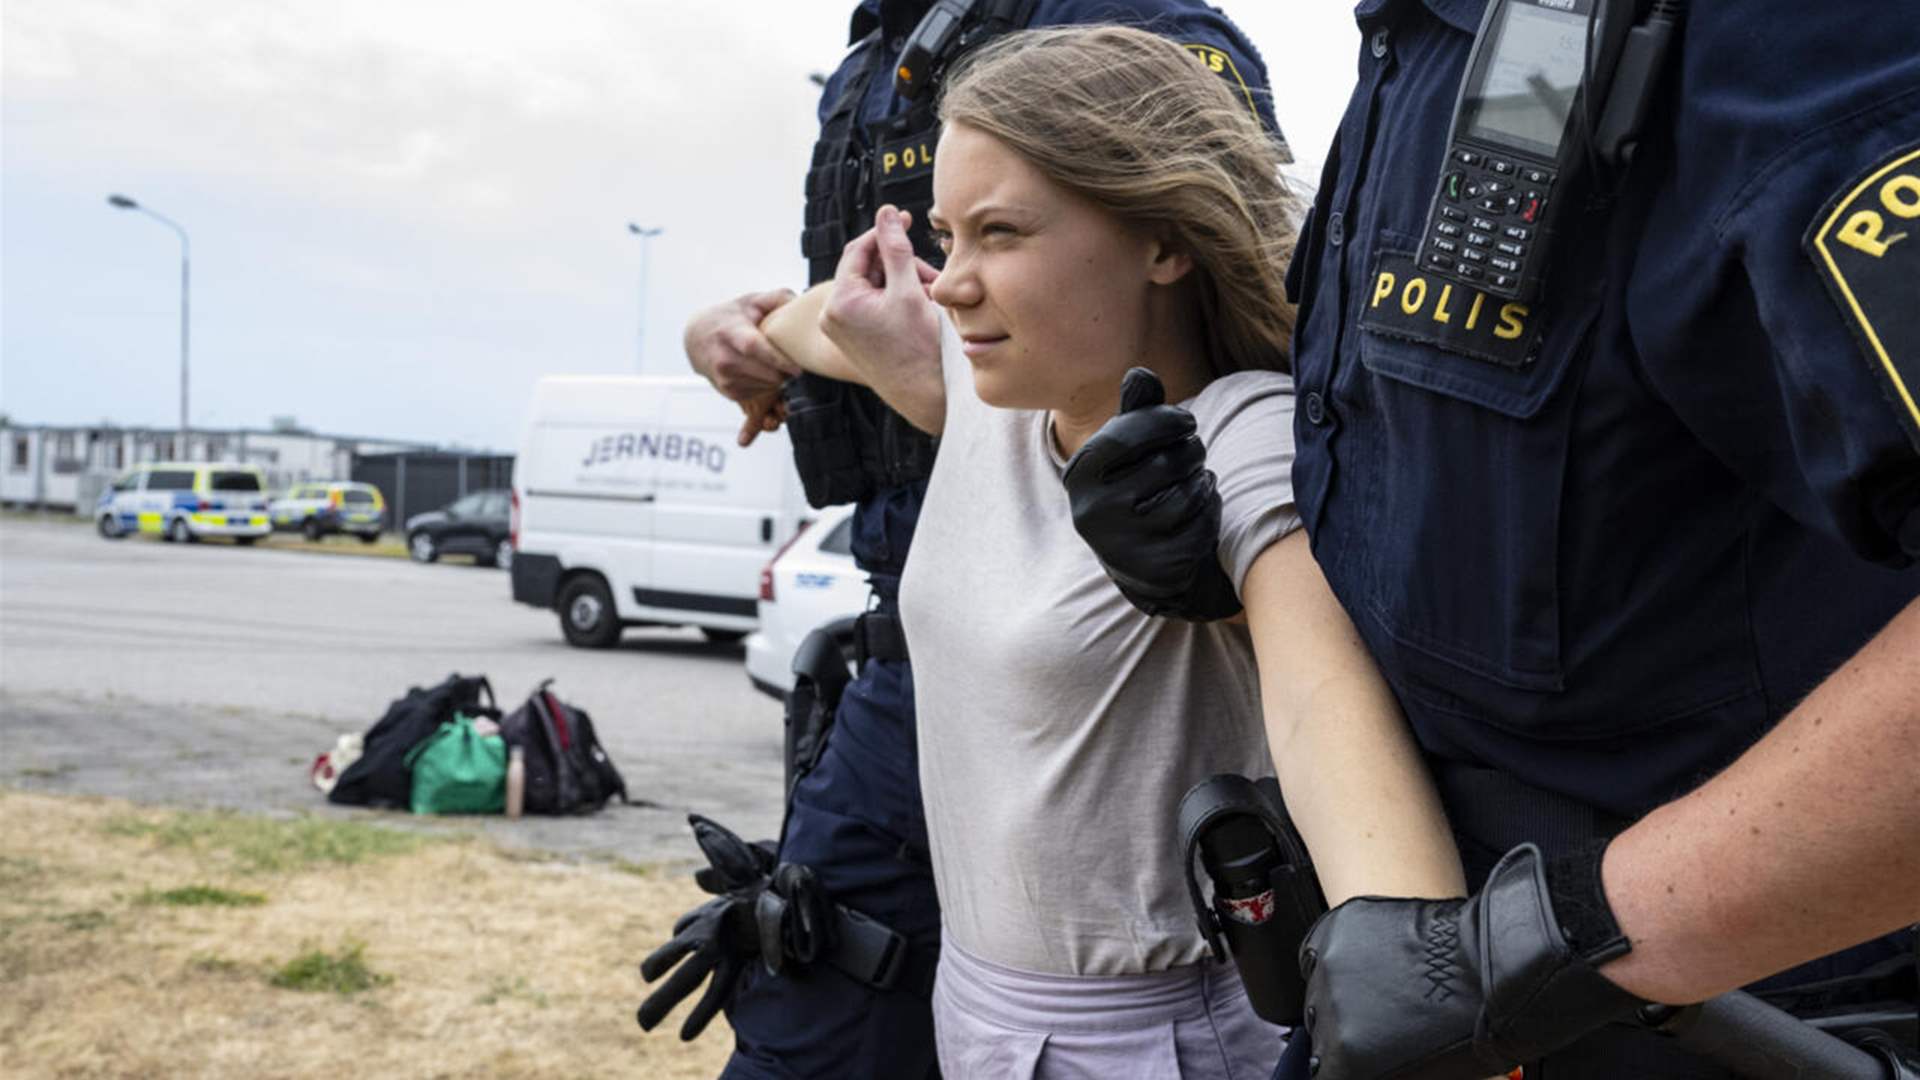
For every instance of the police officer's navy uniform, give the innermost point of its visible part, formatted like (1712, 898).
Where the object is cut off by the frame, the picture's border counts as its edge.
(1602, 541)
(856, 816)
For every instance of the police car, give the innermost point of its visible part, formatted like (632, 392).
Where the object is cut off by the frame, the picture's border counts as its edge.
(811, 582)
(184, 501)
(317, 510)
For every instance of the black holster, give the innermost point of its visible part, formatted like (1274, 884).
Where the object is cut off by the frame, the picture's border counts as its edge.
(819, 678)
(1266, 895)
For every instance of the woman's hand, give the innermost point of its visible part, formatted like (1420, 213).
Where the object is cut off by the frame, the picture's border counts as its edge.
(880, 317)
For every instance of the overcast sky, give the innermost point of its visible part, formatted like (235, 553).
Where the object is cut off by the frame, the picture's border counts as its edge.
(403, 212)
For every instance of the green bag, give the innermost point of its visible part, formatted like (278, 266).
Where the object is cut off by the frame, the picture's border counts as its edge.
(456, 770)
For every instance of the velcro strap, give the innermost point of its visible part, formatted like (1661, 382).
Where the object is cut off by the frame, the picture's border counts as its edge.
(879, 636)
(868, 950)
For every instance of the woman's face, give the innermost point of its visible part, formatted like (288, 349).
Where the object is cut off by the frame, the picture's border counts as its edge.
(1048, 292)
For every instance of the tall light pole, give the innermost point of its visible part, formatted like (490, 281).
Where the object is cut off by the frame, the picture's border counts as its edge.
(645, 234)
(123, 203)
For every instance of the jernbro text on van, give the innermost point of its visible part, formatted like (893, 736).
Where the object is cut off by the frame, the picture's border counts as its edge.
(670, 446)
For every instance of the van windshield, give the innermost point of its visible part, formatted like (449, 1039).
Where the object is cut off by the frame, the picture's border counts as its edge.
(236, 481)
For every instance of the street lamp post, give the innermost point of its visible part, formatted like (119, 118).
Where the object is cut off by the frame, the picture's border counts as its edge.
(123, 203)
(645, 234)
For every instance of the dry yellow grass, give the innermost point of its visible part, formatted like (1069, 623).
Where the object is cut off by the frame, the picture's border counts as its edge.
(499, 966)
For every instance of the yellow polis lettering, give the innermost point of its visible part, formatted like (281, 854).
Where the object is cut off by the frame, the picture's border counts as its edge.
(1383, 287)
(1901, 196)
(1473, 313)
(1513, 322)
(888, 160)
(1412, 299)
(1440, 312)
(1863, 229)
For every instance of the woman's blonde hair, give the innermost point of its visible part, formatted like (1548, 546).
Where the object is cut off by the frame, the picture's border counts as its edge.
(1141, 128)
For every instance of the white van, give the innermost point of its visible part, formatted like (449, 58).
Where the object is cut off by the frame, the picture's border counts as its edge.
(634, 506)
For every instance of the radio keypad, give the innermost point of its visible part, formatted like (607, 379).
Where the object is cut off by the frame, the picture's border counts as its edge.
(1488, 210)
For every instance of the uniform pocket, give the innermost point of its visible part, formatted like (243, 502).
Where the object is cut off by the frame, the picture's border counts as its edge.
(1467, 459)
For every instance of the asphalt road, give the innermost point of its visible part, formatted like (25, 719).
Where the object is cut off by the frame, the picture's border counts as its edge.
(210, 675)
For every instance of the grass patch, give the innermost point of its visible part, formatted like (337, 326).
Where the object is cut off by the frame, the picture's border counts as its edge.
(271, 845)
(342, 972)
(215, 964)
(80, 922)
(517, 990)
(16, 873)
(201, 896)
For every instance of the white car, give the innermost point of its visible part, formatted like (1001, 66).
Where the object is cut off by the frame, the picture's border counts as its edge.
(810, 582)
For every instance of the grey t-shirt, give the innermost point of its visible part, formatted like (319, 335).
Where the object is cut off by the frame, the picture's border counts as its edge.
(1059, 726)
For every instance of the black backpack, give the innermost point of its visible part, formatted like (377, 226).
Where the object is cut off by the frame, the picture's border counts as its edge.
(567, 771)
(380, 776)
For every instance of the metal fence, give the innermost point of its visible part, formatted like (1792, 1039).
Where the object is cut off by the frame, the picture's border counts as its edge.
(416, 482)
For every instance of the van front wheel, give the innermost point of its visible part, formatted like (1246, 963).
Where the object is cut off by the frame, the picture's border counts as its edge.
(587, 616)
(179, 532)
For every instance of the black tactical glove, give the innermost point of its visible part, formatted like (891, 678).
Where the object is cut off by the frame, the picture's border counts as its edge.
(1456, 989)
(1144, 500)
(716, 940)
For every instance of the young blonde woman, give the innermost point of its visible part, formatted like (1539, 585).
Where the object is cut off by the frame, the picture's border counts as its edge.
(1105, 204)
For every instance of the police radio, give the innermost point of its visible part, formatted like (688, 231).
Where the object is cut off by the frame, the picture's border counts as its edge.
(1553, 88)
(949, 28)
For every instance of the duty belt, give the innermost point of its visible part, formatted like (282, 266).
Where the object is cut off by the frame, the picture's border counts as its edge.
(879, 636)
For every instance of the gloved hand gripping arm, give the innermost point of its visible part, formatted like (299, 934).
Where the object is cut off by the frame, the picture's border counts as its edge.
(1144, 500)
(1460, 989)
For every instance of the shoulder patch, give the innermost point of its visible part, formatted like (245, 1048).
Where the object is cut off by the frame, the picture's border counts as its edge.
(1221, 64)
(1865, 245)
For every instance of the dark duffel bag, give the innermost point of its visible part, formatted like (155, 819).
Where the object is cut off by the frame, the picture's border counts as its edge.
(381, 776)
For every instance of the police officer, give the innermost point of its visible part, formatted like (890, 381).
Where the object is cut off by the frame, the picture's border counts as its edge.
(1636, 555)
(823, 951)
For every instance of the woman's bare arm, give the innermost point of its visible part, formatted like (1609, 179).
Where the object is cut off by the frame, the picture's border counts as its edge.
(794, 329)
(1348, 767)
(909, 381)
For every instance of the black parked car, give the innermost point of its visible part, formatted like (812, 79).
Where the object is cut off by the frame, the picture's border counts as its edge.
(477, 524)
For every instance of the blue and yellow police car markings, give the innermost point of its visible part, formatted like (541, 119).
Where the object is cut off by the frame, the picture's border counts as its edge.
(1863, 244)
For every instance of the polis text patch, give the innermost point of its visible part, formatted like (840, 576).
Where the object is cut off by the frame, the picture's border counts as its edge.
(1403, 301)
